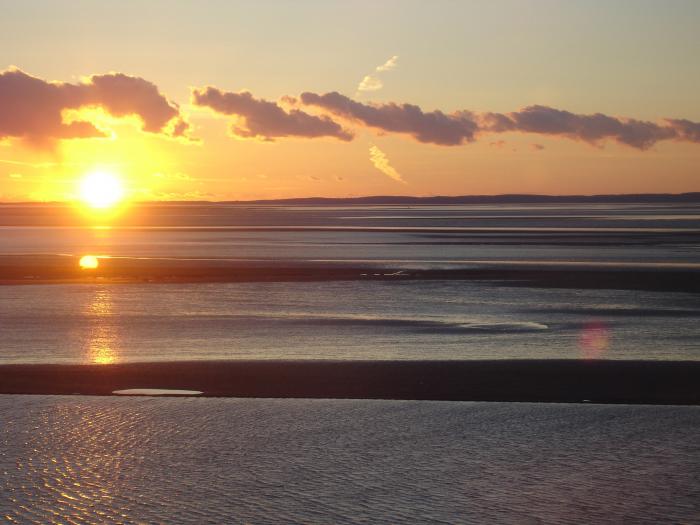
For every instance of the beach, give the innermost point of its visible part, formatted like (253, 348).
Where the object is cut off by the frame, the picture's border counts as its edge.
(571, 381)
(46, 269)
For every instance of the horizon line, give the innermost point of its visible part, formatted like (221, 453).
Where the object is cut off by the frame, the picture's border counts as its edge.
(692, 196)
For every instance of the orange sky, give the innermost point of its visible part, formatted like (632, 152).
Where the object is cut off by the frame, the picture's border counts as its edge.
(549, 100)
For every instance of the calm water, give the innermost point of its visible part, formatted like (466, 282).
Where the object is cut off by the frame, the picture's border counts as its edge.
(417, 235)
(354, 320)
(193, 461)
(341, 320)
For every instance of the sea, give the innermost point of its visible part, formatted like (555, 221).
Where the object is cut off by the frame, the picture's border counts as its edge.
(95, 460)
(146, 460)
(368, 319)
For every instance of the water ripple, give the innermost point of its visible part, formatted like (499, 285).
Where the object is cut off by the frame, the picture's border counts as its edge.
(142, 460)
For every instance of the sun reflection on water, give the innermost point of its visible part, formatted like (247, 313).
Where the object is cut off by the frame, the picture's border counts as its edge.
(103, 337)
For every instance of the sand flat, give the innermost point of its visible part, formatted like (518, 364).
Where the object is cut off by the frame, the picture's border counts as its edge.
(156, 392)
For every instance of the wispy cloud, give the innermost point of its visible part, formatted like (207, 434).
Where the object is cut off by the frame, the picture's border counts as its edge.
(151, 195)
(173, 176)
(38, 165)
(372, 82)
(388, 65)
(380, 161)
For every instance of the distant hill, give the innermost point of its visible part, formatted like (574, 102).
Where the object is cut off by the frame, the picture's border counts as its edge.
(487, 199)
(639, 198)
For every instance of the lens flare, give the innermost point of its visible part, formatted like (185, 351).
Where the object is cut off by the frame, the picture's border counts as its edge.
(594, 340)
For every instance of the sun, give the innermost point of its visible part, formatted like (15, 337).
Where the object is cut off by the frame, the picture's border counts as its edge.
(89, 262)
(101, 190)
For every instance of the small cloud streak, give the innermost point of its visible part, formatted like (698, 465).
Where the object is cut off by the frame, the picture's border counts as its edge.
(147, 194)
(372, 82)
(264, 120)
(32, 108)
(175, 176)
(389, 64)
(380, 161)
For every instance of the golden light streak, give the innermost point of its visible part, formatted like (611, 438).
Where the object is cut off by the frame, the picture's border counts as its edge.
(103, 337)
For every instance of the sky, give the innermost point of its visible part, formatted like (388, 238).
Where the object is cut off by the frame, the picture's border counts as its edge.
(255, 100)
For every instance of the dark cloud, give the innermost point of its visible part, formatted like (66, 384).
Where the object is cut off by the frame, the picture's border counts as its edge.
(685, 129)
(32, 108)
(123, 95)
(267, 120)
(180, 127)
(460, 127)
(589, 128)
(434, 127)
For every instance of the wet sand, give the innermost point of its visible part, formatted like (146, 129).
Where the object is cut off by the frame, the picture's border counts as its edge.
(570, 381)
(48, 269)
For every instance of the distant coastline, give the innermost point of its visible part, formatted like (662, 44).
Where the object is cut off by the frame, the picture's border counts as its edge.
(642, 198)
(515, 198)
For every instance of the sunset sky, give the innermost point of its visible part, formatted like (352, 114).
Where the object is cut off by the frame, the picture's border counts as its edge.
(233, 100)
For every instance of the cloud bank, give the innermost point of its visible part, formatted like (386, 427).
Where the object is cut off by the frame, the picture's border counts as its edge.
(33, 108)
(433, 127)
(39, 111)
(460, 127)
(593, 129)
(266, 120)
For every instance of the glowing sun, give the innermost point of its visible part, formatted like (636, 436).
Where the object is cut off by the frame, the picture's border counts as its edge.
(89, 262)
(101, 190)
